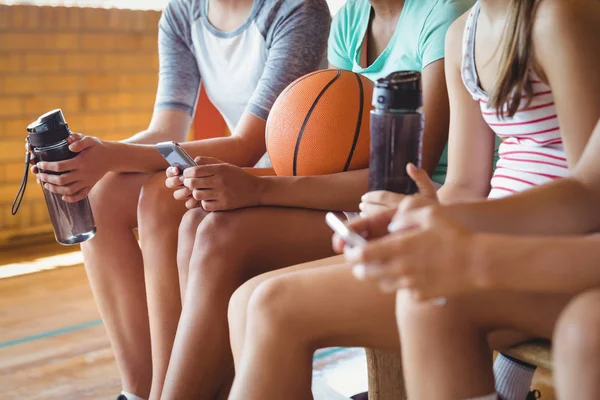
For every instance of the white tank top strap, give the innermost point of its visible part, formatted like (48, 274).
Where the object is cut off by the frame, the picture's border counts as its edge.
(468, 70)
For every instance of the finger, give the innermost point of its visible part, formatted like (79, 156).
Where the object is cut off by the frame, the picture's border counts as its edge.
(382, 197)
(203, 171)
(406, 217)
(82, 194)
(80, 145)
(390, 284)
(372, 226)
(172, 172)
(182, 194)
(73, 137)
(191, 203)
(69, 190)
(380, 251)
(210, 205)
(34, 170)
(204, 195)
(58, 166)
(373, 208)
(174, 182)
(200, 183)
(338, 243)
(423, 181)
(58, 180)
(207, 160)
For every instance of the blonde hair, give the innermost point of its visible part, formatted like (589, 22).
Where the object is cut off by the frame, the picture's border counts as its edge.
(513, 84)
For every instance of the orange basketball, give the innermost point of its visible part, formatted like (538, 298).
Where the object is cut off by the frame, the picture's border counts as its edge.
(320, 124)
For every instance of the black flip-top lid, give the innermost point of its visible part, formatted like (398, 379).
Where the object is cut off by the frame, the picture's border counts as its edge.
(399, 90)
(49, 129)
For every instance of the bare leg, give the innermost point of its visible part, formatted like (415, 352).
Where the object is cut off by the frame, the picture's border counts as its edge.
(185, 245)
(113, 263)
(292, 314)
(238, 305)
(230, 248)
(159, 216)
(434, 337)
(577, 349)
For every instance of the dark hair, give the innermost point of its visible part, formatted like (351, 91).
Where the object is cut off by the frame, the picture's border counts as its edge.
(517, 59)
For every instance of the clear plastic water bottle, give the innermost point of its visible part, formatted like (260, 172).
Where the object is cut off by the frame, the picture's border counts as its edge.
(73, 223)
(396, 132)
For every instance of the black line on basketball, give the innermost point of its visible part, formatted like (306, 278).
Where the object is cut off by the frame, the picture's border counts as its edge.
(310, 111)
(285, 92)
(358, 123)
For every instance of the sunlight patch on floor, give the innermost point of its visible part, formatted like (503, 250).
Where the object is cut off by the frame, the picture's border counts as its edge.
(41, 264)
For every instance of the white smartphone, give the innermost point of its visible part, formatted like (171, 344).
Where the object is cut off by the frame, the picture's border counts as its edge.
(175, 155)
(338, 226)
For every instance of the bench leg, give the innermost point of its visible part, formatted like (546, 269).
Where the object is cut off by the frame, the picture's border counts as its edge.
(386, 381)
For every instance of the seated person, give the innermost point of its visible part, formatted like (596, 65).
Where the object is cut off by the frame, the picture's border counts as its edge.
(301, 309)
(219, 251)
(244, 53)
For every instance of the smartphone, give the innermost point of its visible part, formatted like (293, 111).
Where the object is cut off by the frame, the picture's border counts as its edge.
(175, 155)
(338, 226)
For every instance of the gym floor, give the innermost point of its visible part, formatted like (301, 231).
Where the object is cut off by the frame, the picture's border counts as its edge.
(53, 344)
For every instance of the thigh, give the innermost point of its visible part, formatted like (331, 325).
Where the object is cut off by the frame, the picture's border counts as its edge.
(533, 314)
(329, 307)
(251, 241)
(116, 196)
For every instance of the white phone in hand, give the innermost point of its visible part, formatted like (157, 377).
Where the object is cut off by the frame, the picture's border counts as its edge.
(175, 155)
(338, 226)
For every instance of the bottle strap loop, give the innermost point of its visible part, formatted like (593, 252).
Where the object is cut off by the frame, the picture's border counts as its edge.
(19, 197)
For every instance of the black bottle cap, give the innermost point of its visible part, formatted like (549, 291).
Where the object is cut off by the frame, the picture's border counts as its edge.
(399, 90)
(49, 129)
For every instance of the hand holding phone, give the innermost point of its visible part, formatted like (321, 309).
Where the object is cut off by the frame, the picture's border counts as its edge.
(338, 226)
(175, 155)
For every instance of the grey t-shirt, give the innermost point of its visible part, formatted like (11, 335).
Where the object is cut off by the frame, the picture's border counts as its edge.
(241, 70)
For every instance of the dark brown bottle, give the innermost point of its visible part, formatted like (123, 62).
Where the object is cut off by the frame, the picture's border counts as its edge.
(73, 223)
(396, 132)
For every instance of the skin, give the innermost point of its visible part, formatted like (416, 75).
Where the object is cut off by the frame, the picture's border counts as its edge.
(280, 311)
(137, 289)
(496, 282)
(251, 241)
(303, 308)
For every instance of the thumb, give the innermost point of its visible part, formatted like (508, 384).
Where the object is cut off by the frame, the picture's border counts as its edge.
(423, 181)
(207, 160)
(80, 145)
(74, 137)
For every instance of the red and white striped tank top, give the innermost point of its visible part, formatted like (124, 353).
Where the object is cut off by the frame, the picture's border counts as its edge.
(531, 152)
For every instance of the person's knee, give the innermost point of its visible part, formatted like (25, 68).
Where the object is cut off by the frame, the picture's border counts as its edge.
(577, 332)
(157, 207)
(109, 202)
(218, 248)
(270, 307)
(187, 235)
(237, 314)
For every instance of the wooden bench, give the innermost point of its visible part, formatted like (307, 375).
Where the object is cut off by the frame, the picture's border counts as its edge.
(386, 381)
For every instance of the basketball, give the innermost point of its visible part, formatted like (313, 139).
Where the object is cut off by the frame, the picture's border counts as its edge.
(320, 124)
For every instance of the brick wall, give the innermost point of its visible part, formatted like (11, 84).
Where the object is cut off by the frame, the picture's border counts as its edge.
(98, 65)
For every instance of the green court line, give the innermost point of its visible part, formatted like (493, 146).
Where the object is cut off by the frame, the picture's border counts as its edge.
(98, 322)
(327, 353)
(48, 334)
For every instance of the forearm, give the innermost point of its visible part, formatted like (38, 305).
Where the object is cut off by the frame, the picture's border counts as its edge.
(133, 157)
(451, 193)
(565, 206)
(538, 264)
(336, 192)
